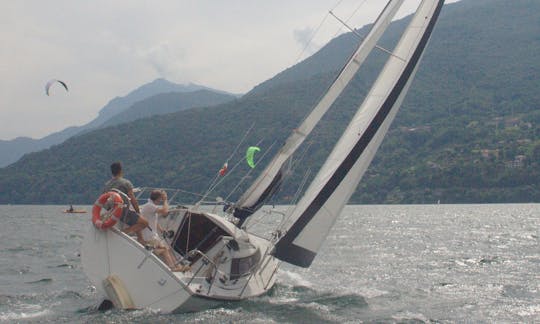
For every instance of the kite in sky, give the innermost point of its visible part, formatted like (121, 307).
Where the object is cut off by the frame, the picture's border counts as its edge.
(53, 81)
(250, 153)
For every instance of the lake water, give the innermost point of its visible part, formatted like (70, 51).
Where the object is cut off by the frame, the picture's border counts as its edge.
(384, 264)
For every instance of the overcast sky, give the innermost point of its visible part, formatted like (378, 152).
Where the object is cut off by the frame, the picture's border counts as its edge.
(103, 49)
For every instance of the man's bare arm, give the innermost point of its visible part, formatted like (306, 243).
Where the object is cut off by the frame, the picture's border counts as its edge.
(164, 210)
(134, 201)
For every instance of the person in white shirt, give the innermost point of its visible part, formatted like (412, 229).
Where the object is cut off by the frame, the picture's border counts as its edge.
(158, 206)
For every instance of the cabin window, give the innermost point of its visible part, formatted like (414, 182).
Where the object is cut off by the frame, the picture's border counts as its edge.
(243, 266)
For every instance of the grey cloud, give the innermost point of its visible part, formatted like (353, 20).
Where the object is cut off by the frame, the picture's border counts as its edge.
(304, 37)
(165, 59)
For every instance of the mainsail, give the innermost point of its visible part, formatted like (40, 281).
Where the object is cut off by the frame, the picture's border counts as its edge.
(314, 215)
(270, 179)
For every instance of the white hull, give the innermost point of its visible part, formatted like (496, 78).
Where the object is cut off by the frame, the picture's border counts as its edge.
(150, 283)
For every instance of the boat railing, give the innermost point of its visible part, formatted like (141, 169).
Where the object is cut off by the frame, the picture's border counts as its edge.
(205, 260)
(183, 199)
(265, 223)
(175, 196)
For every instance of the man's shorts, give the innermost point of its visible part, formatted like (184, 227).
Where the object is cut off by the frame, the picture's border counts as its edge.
(156, 243)
(129, 217)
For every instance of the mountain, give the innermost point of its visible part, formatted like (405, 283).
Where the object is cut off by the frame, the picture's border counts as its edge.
(166, 103)
(158, 86)
(469, 130)
(12, 150)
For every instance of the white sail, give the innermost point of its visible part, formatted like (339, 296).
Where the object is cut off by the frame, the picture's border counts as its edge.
(270, 179)
(311, 220)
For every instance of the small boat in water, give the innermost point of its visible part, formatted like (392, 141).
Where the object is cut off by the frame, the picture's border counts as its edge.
(71, 210)
(229, 261)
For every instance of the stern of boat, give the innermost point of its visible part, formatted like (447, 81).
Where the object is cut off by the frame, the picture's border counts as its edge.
(137, 273)
(227, 264)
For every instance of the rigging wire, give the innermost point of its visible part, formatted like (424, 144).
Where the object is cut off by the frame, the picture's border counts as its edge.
(215, 181)
(362, 38)
(301, 187)
(292, 167)
(248, 173)
(300, 55)
(288, 213)
(310, 41)
(293, 164)
(241, 142)
(232, 169)
(318, 29)
(293, 201)
(349, 18)
(336, 75)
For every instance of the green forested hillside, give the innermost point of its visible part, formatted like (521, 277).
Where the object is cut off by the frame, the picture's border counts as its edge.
(469, 130)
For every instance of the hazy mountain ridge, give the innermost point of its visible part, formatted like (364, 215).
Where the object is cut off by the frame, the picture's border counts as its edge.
(12, 150)
(166, 103)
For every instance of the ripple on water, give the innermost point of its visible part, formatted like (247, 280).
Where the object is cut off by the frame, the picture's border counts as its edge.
(40, 281)
(22, 311)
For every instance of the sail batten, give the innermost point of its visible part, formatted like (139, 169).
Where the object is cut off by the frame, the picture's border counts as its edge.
(323, 201)
(270, 179)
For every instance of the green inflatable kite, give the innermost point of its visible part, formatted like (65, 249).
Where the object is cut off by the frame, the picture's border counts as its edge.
(250, 153)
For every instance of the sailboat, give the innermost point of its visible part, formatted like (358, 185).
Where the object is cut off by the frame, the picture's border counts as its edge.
(228, 262)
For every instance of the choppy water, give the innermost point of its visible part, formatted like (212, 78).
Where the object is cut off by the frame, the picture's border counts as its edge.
(396, 264)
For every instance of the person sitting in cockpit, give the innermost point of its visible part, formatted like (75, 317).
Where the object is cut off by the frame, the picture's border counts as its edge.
(157, 206)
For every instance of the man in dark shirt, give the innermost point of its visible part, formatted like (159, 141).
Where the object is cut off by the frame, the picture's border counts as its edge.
(132, 218)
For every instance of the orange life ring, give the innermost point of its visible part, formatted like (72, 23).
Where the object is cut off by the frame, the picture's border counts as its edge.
(112, 204)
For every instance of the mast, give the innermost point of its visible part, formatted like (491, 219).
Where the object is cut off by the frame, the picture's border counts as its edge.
(315, 214)
(270, 179)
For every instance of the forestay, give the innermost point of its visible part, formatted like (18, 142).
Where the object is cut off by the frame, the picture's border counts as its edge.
(270, 179)
(314, 215)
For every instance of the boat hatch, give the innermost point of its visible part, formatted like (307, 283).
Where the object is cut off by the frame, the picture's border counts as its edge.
(196, 232)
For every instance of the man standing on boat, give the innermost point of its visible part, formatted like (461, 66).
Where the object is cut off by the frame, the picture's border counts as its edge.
(129, 217)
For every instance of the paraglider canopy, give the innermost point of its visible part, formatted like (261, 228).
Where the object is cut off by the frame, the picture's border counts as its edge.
(53, 81)
(250, 153)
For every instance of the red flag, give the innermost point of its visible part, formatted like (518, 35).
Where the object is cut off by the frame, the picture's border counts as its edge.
(223, 170)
